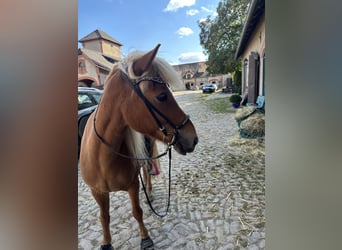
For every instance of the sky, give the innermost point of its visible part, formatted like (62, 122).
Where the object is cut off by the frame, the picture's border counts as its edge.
(142, 24)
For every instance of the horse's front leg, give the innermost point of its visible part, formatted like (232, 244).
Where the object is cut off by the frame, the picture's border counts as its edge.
(102, 200)
(146, 242)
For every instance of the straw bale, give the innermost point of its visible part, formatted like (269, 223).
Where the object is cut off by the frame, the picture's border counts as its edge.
(253, 126)
(243, 112)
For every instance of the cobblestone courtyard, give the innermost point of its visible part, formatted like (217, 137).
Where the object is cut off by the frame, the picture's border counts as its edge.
(217, 192)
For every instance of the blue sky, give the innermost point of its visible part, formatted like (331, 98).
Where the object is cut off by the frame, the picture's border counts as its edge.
(142, 24)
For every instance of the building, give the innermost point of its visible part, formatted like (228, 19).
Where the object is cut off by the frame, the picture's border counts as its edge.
(96, 58)
(194, 75)
(251, 50)
(100, 51)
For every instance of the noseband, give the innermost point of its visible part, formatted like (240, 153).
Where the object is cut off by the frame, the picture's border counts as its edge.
(152, 109)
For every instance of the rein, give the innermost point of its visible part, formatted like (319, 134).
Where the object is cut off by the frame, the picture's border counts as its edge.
(169, 193)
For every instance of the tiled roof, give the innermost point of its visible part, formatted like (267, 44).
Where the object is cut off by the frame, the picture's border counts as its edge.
(99, 34)
(200, 74)
(256, 9)
(98, 58)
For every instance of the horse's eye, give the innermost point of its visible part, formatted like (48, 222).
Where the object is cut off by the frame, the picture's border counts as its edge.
(162, 97)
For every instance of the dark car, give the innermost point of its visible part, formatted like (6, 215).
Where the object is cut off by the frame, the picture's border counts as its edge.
(208, 88)
(88, 99)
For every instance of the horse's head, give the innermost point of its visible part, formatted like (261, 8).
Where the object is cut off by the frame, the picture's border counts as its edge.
(150, 108)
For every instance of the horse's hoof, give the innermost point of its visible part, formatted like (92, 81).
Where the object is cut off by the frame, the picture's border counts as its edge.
(106, 247)
(146, 244)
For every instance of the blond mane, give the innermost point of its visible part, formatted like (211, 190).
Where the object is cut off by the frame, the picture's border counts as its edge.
(135, 142)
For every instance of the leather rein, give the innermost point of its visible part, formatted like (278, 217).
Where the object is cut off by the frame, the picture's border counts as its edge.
(153, 111)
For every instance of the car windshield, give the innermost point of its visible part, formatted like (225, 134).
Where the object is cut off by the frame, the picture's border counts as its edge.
(97, 97)
(88, 99)
(83, 99)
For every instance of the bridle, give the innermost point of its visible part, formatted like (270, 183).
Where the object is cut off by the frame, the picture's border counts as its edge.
(153, 111)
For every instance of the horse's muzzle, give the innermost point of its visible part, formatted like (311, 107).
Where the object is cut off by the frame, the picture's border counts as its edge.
(184, 145)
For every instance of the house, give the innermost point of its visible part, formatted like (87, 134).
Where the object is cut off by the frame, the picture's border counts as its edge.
(96, 58)
(194, 75)
(100, 51)
(251, 50)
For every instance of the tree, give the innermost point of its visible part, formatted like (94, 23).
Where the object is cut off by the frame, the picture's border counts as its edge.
(220, 37)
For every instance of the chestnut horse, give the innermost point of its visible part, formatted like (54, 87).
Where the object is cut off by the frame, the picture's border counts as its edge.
(137, 101)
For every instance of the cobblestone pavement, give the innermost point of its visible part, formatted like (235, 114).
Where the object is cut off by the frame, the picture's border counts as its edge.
(217, 192)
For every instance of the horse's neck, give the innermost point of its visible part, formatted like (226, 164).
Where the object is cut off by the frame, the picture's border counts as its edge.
(110, 123)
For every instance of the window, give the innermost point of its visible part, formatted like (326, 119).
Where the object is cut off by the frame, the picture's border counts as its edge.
(188, 75)
(82, 67)
(84, 101)
(97, 97)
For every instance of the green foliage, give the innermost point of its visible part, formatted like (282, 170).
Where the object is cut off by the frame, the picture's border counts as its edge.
(219, 37)
(218, 105)
(235, 98)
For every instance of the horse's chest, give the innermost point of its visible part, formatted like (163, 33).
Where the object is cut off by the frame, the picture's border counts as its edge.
(118, 177)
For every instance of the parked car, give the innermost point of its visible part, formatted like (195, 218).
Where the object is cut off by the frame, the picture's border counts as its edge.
(209, 88)
(88, 99)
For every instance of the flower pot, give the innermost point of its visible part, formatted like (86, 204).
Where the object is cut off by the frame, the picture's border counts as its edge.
(236, 105)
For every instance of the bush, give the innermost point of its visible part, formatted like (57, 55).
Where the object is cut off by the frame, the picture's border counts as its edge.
(235, 98)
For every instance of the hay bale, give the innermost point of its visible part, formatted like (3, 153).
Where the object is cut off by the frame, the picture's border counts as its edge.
(253, 126)
(243, 113)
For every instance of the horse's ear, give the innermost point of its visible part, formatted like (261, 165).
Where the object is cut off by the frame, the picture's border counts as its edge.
(144, 63)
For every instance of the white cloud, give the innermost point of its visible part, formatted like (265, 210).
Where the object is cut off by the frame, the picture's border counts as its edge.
(174, 5)
(206, 9)
(191, 12)
(189, 57)
(184, 31)
(213, 12)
